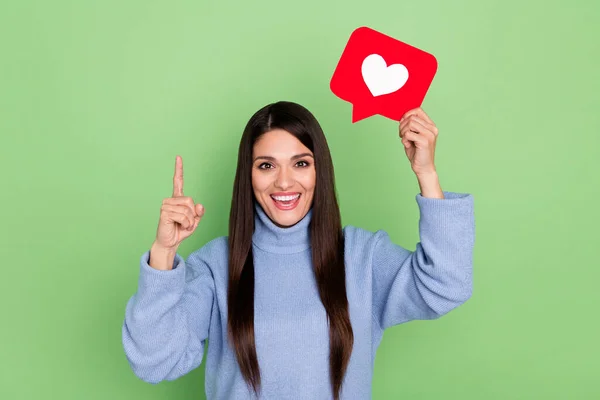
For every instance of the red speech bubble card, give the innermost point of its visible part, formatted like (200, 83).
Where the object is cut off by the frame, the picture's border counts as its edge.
(381, 75)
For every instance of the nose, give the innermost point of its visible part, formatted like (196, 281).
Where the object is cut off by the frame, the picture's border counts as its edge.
(284, 179)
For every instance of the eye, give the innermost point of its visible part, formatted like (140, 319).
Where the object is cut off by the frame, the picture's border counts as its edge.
(301, 161)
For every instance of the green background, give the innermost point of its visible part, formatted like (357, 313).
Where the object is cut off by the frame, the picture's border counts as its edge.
(97, 99)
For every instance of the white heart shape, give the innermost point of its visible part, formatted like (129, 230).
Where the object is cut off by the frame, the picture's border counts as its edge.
(381, 79)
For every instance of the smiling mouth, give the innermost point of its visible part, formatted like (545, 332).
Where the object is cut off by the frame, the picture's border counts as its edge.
(287, 205)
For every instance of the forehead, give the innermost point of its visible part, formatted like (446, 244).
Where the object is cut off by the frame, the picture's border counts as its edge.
(278, 141)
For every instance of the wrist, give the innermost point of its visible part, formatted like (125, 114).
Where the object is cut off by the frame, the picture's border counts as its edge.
(427, 175)
(430, 185)
(162, 258)
(157, 246)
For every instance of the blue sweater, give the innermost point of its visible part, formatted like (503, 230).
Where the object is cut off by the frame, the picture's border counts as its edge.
(173, 313)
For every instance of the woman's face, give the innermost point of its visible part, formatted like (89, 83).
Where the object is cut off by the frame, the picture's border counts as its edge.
(282, 165)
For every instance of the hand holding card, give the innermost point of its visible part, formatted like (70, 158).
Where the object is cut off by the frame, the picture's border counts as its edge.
(381, 75)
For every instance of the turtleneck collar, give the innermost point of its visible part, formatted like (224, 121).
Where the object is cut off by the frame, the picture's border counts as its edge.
(274, 239)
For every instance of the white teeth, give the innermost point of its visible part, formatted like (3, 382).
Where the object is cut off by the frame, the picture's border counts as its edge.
(285, 198)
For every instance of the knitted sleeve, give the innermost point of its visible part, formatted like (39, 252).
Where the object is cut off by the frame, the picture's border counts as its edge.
(437, 276)
(167, 320)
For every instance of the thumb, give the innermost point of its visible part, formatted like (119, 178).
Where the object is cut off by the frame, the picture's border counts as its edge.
(199, 210)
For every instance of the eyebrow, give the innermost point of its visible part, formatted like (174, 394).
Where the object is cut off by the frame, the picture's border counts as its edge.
(291, 158)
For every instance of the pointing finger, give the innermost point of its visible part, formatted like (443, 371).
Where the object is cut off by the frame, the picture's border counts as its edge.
(178, 177)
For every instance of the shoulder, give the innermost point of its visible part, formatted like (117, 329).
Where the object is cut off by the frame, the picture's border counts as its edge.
(358, 234)
(212, 248)
(363, 240)
(214, 254)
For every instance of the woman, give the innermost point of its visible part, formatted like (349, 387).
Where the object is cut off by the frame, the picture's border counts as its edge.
(293, 306)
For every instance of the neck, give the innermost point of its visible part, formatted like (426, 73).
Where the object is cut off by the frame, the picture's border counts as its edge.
(274, 239)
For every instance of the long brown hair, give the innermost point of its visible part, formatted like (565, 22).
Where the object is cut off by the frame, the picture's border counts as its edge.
(326, 238)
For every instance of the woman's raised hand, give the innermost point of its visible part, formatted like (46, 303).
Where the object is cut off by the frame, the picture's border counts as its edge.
(179, 216)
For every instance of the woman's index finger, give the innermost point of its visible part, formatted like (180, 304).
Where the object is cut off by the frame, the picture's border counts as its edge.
(178, 177)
